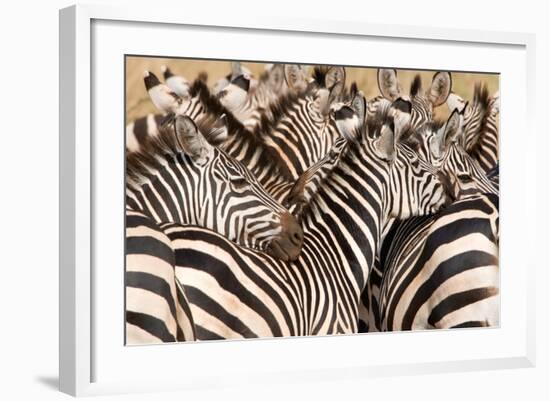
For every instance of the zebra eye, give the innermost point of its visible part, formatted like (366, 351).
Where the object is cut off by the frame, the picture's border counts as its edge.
(465, 177)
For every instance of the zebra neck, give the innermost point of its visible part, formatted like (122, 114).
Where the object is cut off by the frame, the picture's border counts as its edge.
(485, 149)
(347, 212)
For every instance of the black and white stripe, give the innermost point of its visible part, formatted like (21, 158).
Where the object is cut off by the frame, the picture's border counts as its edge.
(157, 309)
(422, 259)
(423, 102)
(179, 177)
(442, 271)
(294, 132)
(235, 292)
(480, 125)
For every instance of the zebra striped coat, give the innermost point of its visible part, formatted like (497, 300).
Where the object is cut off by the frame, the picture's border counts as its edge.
(412, 262)
(442, 272)
(157, 309)
(235, 292)
(480, 125)
(179, 177)
(295, 132)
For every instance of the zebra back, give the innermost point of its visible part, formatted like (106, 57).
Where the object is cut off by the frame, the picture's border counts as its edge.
(442, 271)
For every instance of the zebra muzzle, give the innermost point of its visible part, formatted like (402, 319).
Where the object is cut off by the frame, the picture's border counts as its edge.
(288, 244)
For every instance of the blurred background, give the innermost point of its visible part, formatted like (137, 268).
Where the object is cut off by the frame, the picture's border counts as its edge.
(138, 103)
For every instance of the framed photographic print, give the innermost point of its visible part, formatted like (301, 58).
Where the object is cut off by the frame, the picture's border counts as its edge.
(303, 200)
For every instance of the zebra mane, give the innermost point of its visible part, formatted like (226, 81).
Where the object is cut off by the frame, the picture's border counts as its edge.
(319, 75)
(416, 85)
(375, 122)
(481, 95)
(235, 128)
(482, 105)
(159, 150)
(274, 112)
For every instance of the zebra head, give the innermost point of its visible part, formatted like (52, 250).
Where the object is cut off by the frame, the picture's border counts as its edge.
(236, 69)
(324, 88)
(406, 184)
(180, 177)
(234, 95)
(447, 152)
(422, 102)
(414, 186)
(176, 83)
(475, 114)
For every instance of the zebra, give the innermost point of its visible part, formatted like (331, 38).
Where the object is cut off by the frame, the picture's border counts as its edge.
(248, 101)
(141, 127)
(165, 99)
(480, 125)
(138, 130)
(423, 102)
(445, 274)
(237, 292)
(406, 273)
(296, 123)
(303, 130)
(157, 309)
(450, 158)
(179, 177)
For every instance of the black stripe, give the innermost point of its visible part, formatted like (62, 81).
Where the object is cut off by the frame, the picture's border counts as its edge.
(154, 284)
(459, 300)
(445, 270)
(205, 334)
(149, 246)
(229, 282)
(203, 301)
(471, 323)
(184, 305)
(268, 267)
(150, 324)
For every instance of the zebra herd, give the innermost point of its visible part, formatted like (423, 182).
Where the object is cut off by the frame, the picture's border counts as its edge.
(291, 205)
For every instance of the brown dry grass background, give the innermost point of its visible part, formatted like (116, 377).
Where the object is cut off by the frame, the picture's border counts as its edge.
(138, 104)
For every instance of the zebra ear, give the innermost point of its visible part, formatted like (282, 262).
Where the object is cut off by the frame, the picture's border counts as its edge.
(178, 84)
(335, 80)
(359, 105)
(441, 88)
(388, 84)
(161, 95)
(295, 77)
(384, 145)
(235, 93)
(236, 69)
(453, 128)
(191, 140)
(348, 122)
(454, 101)
(401, 110)
(166, 72)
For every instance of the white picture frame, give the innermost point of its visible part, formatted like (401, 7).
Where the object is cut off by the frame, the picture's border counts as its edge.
(90, 363)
